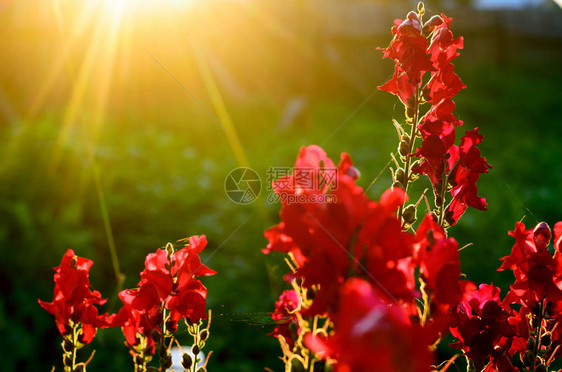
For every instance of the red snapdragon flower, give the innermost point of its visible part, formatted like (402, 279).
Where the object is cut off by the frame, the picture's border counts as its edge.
(537, 272)
(169, 280)
(464, 176)
(438, 259)
(316, 232)
(444, 82)
(134, 322)
(369, 332)
(329, 240)
(408, 49)
(74, 302)
(386, 250)
(481, 324)
(285, 316)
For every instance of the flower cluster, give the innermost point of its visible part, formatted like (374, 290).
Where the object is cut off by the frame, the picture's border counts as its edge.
(362, 273)
(491, 331)
(73, 307)
(355, 248)
(370, 332)
(168, 292)
(422, 50)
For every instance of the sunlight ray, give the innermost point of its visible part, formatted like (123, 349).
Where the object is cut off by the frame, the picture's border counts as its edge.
(78, 93)
(81, 24)
(105, 73)
(218, 103)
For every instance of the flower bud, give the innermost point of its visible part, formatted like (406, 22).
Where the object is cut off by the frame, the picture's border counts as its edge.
(168, 362)
(531, 343)
(67, 360)
(426, 94)
(549, 309)
(294, 328)
(171, 325)
(410, 112)
(67, 345)
(399, 175)
(449, 217)
(540, 368)
(546, 339)
(541, 236)
(528, 358)
(169, 249)
(409, 214)
(404, 147)
(204, 335)
(186, 361)
(195, 349)
(438, 200)
(430, 25)
(398, 184)
(534, 322)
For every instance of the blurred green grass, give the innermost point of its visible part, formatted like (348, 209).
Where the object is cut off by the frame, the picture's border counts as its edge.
(163, 181)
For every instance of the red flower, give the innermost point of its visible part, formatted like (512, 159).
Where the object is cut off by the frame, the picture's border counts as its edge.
(444, 83)
(168, 280)
(351, 234)
(319, 233)
(372, 335)
(481, 325)
(443, 47)
(135, 322)
(438, 259)
(285, 316)
(464, 176)
(74, 301)
(408, 48)
(537, 272)
(387, 250)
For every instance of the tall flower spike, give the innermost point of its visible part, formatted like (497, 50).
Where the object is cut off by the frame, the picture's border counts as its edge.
(73, 307)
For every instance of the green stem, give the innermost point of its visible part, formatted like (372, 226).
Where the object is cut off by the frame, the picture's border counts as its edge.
(538, 339)
(426, 305)
(445, 180)
(408, 162)
(74, 343)
(141, 354)
(195, 342)
(163, 341)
